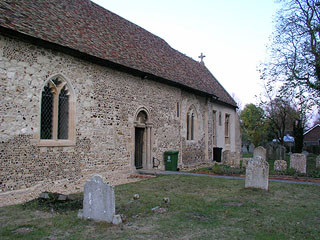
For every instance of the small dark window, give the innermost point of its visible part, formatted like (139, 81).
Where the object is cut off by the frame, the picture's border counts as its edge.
(192, 126)
(188, 126)
(178, 110)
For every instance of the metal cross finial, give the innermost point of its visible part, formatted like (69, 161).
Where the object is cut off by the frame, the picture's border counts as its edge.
(201, 57)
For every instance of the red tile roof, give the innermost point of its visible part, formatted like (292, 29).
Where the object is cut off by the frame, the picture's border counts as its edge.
(88, 28)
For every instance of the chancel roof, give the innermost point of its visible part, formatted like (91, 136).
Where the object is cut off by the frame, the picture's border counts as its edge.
(86, 27)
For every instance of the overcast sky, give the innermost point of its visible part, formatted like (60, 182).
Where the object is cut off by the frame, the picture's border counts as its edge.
(232, 34)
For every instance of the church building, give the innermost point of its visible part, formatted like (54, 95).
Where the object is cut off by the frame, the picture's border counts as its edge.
(85, 91)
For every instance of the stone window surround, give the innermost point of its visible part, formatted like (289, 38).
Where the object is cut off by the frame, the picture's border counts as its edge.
(71, 129)
(192, 124)
(214, 128)
(227, 128)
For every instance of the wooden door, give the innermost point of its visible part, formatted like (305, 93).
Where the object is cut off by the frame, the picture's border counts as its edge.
(138, 155)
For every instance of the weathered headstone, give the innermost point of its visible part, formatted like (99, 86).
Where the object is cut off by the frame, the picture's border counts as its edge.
(298, 161)
(251, 148)
(257, 173)
(244, 149)
(260, 152)
(271, 153)
(99, 200)
(280, 152)
(280, 165)
(318, 162)
(305, 153)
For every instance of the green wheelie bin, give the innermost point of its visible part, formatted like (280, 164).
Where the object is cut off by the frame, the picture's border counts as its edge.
(171, 160)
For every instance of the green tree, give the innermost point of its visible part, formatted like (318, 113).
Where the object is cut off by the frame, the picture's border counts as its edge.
(252, 124)
(295, 50)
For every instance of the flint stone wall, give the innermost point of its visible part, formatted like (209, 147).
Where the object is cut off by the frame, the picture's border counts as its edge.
(298, 161)
(257, 174)
(231, 159)
(106, 103)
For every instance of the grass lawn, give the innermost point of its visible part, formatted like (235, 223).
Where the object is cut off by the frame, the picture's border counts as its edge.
(199, 208)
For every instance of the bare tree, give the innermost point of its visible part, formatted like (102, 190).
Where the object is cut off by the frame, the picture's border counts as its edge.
(295, 50)
(280, 113)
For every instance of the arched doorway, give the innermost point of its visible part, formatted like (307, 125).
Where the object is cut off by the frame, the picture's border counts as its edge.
(142, 149)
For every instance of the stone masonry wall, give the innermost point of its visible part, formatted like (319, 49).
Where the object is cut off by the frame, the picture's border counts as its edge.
(106, 105)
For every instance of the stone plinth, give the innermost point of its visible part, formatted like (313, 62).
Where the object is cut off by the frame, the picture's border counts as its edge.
(280, 165)
(298, 162)
(257, 174)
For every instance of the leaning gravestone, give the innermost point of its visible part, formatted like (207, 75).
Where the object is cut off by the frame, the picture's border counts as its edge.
(99, 200)
(298, 161)
(280, 165)
(260, 152)
(318, 162)
(257, 173)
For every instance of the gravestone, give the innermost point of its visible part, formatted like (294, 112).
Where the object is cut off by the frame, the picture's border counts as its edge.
(99, 200)
(298, 161)
(280, 152)
(280, 165)
(251, 148)
(271, 153)
(305, 153)
(318, 162)
(257, 173)
(260, 152)
(244, 149)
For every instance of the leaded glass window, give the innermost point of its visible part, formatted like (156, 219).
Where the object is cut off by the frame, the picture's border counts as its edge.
(55, 110)
(46, 112)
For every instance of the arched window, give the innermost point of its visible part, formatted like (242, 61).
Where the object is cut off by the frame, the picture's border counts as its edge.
(191, 123)
(56, 110)
(227, 128)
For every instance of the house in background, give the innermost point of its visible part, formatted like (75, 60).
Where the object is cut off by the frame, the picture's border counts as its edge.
(85, 91)
(312, 136)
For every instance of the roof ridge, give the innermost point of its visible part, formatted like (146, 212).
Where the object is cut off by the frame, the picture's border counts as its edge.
(87, 27)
